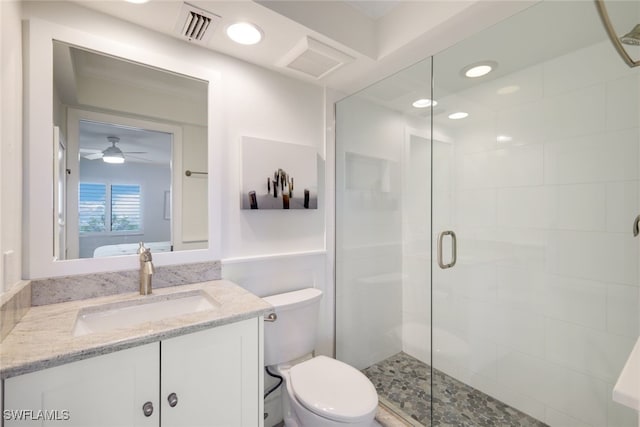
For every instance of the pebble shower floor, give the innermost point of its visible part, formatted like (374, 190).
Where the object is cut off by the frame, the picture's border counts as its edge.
(405, 382)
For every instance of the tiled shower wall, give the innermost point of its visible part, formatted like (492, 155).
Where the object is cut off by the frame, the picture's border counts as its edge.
(542, 309)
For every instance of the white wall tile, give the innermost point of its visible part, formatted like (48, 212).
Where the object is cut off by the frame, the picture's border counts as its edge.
(474, 279)
(415, 336)
(558, 419)
(589, 351)
(476, 135)
(525, 124)
(606, 257)
(519, 166)
(580, 112)
(475, 208)
(575, 300)
(481, 358)
(578, 395)
(416, 285)
(473, 318)
(476, 170)
(521, 331)
(578, 69)
(623, 310)
(622, 103)
(523, 401)
(520, 288)
(506, 167)
(622, 205)
(602, 157)
(522, 373)
(577, 207)
(524, 207)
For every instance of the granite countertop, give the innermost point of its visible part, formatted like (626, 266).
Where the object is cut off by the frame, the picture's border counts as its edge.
(44, 338)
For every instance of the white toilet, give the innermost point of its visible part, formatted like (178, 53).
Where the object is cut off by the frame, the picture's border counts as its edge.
(319, 391)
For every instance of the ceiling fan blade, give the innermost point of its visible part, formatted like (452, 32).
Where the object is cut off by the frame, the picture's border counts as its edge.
(89, 150)
(134, 152)
(93, 156)
(138, 158)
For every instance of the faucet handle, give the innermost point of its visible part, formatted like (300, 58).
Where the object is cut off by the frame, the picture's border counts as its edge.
(141, 248)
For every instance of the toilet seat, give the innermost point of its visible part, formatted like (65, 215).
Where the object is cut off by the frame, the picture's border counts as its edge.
(334, 390)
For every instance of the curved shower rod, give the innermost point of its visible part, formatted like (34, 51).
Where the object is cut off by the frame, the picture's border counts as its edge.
(602, 11)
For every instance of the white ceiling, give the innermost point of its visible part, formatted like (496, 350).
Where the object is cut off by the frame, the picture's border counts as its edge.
(382, 36)
(374, 9)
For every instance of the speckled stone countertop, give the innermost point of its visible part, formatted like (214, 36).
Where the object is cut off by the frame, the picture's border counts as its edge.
(44, 336)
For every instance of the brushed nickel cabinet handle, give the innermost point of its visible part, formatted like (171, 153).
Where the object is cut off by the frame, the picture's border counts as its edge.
(636, 226)
(172, 399)
(147, 409)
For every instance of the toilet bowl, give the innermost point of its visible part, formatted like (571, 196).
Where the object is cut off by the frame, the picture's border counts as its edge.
(319, 391)
(326, 392)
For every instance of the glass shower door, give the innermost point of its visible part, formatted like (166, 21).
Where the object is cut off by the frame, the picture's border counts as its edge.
(539, 181)
(383, 204)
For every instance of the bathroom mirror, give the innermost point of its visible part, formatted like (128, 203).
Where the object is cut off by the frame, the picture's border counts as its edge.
(124, 124)
(90, 97)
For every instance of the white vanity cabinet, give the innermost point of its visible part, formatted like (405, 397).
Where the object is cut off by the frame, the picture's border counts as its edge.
(206, 378)
(105, 391)
(215, 375)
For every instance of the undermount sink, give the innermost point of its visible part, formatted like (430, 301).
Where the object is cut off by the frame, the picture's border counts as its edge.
(126, 314)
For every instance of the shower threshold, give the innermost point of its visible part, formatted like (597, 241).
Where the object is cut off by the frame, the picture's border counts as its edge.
(403, 384)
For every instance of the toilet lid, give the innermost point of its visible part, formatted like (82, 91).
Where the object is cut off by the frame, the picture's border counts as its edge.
(334, 390)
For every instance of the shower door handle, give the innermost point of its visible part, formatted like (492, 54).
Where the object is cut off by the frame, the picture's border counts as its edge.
(454, 249)
(636, 226)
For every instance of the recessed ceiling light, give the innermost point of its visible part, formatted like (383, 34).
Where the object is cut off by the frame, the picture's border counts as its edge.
(459, 115)
(137, 1)
(503, 139)
(244, 33)
(424, 103)
(479, 69)
(508, 90)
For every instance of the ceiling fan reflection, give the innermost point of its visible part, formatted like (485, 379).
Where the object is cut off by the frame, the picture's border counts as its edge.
(112, 154)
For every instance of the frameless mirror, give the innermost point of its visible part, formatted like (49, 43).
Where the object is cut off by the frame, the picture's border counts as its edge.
(131, 147)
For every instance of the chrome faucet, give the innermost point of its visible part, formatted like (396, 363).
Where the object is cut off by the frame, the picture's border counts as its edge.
(146, 269)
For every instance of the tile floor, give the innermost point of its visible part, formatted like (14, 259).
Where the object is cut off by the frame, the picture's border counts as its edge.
(403, 383)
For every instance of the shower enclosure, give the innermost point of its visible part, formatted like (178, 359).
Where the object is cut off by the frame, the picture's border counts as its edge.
(486, 269)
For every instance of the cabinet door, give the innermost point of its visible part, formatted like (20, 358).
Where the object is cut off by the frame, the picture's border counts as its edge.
(216, 376)
(106, 391)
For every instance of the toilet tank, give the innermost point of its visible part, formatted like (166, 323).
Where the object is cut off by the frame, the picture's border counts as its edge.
(293, 334)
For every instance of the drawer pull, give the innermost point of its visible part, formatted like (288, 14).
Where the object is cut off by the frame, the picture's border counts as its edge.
(172, 399)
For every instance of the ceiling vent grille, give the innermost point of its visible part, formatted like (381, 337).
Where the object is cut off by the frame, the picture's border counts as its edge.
(314, 59)
(195, 24)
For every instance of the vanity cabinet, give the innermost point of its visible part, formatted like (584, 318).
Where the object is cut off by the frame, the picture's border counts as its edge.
(206, 378)
(105, 391)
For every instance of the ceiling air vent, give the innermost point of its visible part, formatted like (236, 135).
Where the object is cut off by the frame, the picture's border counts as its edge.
(195, 24)
(314, 58)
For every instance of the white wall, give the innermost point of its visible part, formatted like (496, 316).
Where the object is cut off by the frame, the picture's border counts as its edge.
(10, 144)
(542, 309)
(256, 103)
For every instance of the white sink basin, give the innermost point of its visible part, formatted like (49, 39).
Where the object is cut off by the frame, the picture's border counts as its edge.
(126, 314)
